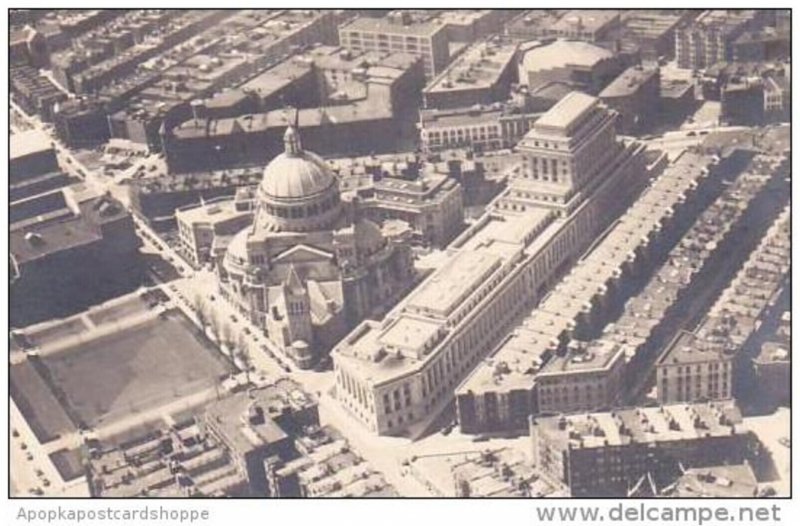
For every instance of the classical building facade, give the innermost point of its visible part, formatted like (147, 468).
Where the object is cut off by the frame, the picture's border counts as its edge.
(395, 376)
(308, 267)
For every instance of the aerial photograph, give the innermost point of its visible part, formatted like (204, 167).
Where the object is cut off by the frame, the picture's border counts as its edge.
(399, 253)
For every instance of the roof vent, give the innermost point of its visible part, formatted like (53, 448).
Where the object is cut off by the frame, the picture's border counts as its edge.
(34, 239)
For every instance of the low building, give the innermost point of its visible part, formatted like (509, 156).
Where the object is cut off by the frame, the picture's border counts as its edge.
(693, 368)
(532, 24)
(28, 47)
(677, 100)
(585, 66)
(326, 468)
(635, 95)
(750, 93)
(365, 100)
(258, 424)
(156, 196)
(482, 128)
(31, 154)
(587, 25)
(199, 226)
(726, 482)
(428, 34)
(773, 369)
(584, 378)
(52, 236)
(430, 203)
(82, 123)
(611, 453)
(496, 474)
(482, 74)
(33, 166)
(170, 462)
(653, 31)
(35, 93)
(400, 32)
(767, 43)
(710, 37)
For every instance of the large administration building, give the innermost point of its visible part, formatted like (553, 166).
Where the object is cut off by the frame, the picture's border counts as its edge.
(575, 177)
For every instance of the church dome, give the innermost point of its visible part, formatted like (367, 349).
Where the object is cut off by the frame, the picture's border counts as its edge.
(296, 173)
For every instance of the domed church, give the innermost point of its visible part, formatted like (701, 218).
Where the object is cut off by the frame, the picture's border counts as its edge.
(310, 266)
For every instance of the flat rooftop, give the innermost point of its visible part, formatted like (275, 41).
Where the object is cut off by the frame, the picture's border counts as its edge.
(481, 252)
(628, 82)
(688, 348)
(735, 481)
(595, 355)
(585, 19)
(384, 25)
(229, 417)
(480, 66)
(28, 142)
(643, 425)
(449, 285)
(213, 212)
(566, 111)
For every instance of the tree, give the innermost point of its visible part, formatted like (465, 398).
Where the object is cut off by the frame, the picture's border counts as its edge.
(201, 310)
(244, 356)
(214, 326)
(226, 336)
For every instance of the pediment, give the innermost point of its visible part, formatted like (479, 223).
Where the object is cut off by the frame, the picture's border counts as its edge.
(303, 254)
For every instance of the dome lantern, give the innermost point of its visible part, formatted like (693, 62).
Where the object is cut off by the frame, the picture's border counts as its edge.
(291, 141)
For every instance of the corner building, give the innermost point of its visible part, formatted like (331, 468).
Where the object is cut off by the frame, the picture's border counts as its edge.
(395, 376)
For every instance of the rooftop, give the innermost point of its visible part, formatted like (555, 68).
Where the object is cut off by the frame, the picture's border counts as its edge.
(27, 143)
(689, 348)
(246, 419)
(476, 262)
(480, 66)
(733, 481)
(449, 285)
(213, 212)
(584, 357)
(591, 20)
(386, 25)
(643, 425)
(536, 338)
(409, 334)
(567, 111)
(59, 220)
(562, 53)
(628, 82)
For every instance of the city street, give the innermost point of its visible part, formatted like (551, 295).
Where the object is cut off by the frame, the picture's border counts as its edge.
(771, 430)
(25, 481)
(240, 238)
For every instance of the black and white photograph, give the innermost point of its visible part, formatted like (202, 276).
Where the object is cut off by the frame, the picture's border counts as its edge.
(435, 252)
